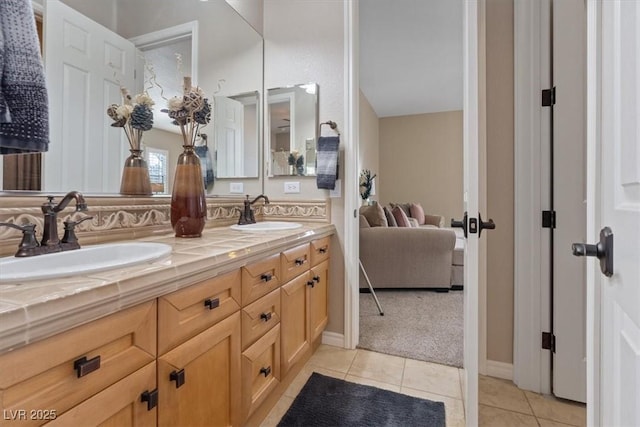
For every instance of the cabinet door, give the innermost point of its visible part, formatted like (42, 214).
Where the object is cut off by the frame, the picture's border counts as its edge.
(260, 370)
(60, 372)
(318, 298)
(120, 405)
(294, 328)
(199, 381)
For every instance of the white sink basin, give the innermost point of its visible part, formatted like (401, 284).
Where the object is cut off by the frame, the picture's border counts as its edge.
(267, 226)
(80, 261)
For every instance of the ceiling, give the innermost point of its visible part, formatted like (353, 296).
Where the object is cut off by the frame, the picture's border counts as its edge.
(411, 55)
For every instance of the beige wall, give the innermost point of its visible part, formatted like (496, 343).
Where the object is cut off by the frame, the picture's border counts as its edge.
(368, 155)
(422, 161)
(304, 42)
(500, 146)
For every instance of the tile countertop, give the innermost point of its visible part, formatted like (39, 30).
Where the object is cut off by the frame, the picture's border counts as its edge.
(35, 310)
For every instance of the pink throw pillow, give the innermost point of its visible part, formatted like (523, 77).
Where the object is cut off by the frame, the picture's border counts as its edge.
(418, 213)
(400, 217)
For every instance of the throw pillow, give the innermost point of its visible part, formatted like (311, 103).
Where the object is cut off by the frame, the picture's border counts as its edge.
(406, 207)
(417, 212)
(401, 217)
(374, 214)
(413, 222)
(363, 222)
(391, 221)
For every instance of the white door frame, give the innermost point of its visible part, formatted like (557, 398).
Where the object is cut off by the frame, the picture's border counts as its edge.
(531, 364)
(473, 11)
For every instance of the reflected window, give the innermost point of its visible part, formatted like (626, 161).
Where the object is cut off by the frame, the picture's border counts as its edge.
(157, 162)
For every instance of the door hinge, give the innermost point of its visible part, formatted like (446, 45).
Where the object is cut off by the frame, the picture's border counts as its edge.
(548, 341)
(548, 219)
(548, 97)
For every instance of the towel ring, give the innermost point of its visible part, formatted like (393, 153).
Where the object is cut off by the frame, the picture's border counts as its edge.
(331, 124)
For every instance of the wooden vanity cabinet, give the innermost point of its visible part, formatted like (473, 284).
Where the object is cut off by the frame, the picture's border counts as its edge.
(318, 299)
(199, 380)
(119, 405)
(60, 372)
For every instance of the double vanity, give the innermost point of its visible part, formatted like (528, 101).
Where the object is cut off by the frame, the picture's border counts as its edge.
(211, 333)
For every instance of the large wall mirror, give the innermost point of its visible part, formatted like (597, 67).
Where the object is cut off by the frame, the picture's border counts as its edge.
(292, 120)
(118, 43)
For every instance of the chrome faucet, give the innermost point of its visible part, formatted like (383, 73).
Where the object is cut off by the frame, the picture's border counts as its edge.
(50, 242)
(246, 215)
(50, 211)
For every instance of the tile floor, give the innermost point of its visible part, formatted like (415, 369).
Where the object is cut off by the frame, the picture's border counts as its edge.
(501, 402)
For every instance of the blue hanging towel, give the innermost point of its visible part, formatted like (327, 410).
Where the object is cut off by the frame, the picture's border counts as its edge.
(327, 162)
(24, 117)
(205, 164)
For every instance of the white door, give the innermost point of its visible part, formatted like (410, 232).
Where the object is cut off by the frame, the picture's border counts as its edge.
(85, 65)
(569, 292)
(229, 120)
(613, 308)
(471, 205)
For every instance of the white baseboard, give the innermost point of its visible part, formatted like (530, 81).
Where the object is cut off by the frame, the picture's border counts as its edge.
(333, 338)
(500, 370)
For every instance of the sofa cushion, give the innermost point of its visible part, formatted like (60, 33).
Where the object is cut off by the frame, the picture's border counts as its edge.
(417, 212)
(401, 218)
(406, 207)
(374, 214)
(391, 221)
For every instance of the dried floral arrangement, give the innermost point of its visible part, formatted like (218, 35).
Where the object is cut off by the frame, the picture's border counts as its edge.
(134, 116)
(191, 111)
(366, 183)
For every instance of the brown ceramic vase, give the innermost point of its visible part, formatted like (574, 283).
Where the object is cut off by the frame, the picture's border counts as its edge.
(188, 202)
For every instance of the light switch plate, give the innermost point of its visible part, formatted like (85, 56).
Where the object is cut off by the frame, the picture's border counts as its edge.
(236, 187)
(292, 187)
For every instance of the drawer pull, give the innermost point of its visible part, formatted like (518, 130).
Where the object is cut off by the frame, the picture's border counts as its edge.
(265, 316)
(311, 283)
(265, 371)
(151, 397)
(178, 377)
(212, 303)
(266, 277)
(323, 250)
(300, 261)
(316, 279)
(84, 367)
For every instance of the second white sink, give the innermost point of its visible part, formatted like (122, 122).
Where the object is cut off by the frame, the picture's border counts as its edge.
(267, 226)
(81, 261)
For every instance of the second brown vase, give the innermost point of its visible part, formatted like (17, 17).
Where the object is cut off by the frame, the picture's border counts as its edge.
(188, 202)
(135, 175)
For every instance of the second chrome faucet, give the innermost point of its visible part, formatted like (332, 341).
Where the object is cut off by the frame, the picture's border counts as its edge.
(247, 215)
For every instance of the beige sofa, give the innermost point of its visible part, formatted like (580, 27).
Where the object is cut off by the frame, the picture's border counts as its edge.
(403, 257)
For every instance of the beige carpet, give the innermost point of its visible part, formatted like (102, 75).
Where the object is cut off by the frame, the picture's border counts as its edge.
(418, 324)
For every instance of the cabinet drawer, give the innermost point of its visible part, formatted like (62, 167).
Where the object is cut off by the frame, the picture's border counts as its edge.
(260, 370)
(118, 405)
(62, 371)
(295, 261)
(185, 313)
(320, 250)
(260, 278)
(260, 316)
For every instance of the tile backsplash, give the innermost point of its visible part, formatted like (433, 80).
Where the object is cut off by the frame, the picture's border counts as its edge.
(122, 218)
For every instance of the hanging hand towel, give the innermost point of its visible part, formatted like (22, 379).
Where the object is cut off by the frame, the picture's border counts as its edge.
(24, 118)
(327, 162)
(206, 165)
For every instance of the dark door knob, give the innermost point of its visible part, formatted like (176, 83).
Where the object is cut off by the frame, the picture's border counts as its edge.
(489, 225)
(460, 224)
(603, 250)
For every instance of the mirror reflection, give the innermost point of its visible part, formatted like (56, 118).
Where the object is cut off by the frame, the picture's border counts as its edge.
(292, 120)
(94, 47)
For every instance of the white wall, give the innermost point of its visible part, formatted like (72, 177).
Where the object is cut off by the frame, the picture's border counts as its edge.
(304, 43)
(369, 148)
